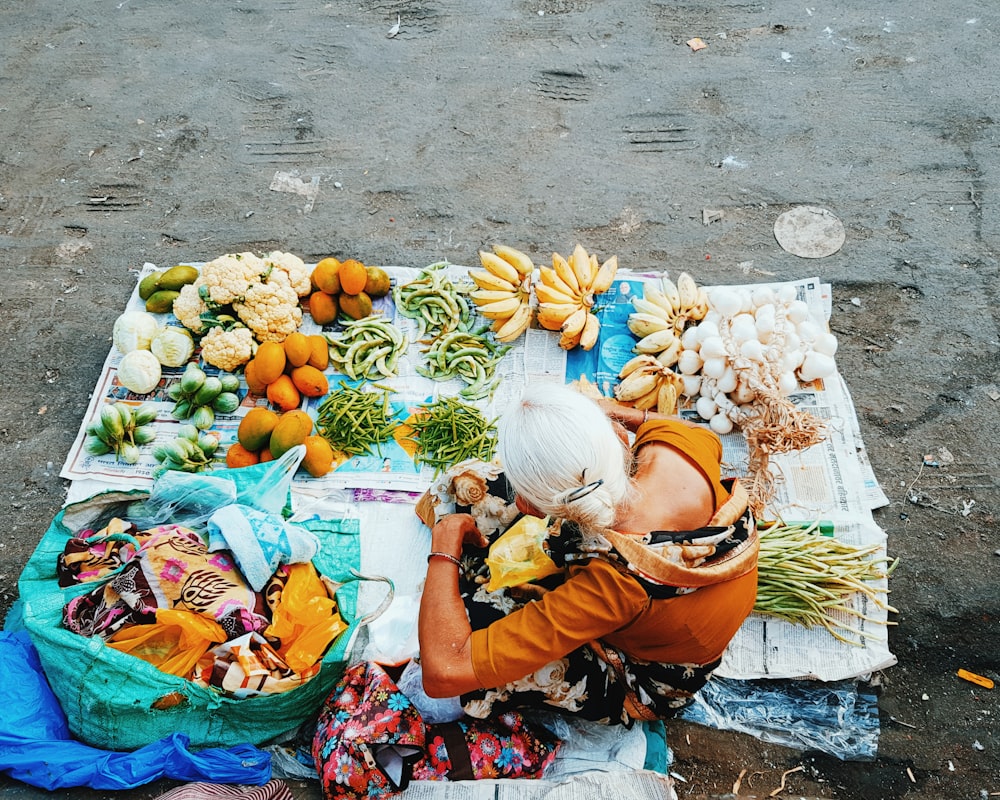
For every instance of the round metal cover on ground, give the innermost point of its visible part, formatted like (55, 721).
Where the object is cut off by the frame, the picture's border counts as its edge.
(809, 232)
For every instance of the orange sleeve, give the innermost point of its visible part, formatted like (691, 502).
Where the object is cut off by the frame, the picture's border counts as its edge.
(594, 601)
(702, 447)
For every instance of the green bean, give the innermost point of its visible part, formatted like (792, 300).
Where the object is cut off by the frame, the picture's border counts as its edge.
(807, 579)
(448, 431)
(434, 301)
(353, 420)
(367, 348)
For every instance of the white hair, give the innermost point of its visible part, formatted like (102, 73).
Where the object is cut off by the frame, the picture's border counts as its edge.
(561, 453)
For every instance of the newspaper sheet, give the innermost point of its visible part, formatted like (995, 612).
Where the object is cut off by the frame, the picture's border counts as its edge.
(637, 785)
(832, 480)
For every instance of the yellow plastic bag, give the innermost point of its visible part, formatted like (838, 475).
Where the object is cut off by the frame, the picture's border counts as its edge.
(517, 556)
(173, 643)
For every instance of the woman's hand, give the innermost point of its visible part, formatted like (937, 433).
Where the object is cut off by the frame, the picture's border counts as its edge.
(453, 532)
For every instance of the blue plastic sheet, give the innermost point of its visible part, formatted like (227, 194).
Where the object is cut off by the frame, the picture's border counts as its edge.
(36, 748)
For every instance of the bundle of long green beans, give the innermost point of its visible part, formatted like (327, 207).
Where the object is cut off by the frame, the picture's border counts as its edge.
(437, 303)
(448, 431)
(811, 579)
(468, 355)
(354, 420)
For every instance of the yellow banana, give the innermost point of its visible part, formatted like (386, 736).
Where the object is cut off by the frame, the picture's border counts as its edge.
(671, 292)
(654, 294)
(482, 297)
(647, 400)
(591, 329)
(516, 325)
(565, 272)
(688, 291)
(668, 356)
(551, 279)
(499, 267)
(500, 308)
(568, 342)
(546, 294)
(701, 307)
(605, 276)
(485, 279)
(655, 342)
(644, 306)
(634, 363)
(666, 398)
(636, 385)
(580, 262)
(643, 325)
(517, 259)
(551, 316)
(574, 322)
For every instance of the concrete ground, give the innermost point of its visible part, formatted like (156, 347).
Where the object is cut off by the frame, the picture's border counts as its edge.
(137, 131)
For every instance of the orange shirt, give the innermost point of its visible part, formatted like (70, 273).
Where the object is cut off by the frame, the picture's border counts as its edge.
(598, 602)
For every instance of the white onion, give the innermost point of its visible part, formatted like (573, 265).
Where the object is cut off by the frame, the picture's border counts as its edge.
(746, 302)
(797, 311)
(712, 318)
(826, 343)
(689, 362)
(727, 380)
(807, 330)
(743, 394)
(792, 359)
(689, 339)
(753, 350)
(792, 341)
(788, 383)
(706, 408)
(787, 293)
(707, 330)
(816, 365)
(692, 385)
(721, 424)
(743, 327)
(762, 295)
(712, 347)
(713, 367)
(725, 301)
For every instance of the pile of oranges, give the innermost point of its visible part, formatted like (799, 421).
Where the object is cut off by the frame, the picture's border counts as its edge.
(345, 287)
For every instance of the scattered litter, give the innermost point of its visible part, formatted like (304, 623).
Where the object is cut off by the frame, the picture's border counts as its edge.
(678, 777)
(967, 507)
(394, 29)
(856, 301)
(809, 232)
(784, 775)
(929, 461)
(909, 773)
(738, 782)
(710, 215)
(904, 724)
(994, 394)
(338, 185)
(696, 44)
(951, 767)
(977, 745)
(731, 162)
(42, 410)
(786, 56)
(925, 696)
(972, 677)
(291, 182)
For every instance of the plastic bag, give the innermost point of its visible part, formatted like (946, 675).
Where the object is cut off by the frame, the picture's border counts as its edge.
(517, 556)
(173, 643)
(35, 747)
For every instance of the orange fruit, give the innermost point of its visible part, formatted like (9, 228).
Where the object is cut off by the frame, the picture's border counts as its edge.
(265, 455)
(270, 362)
(322, 307)
(255, 428)
(297, 348)
(356, 306)
(238, 456)
(254, 384)
(282, 393)
(378, 283)
(353, 276)
(325, 276)
(319, 355)
(310, 381)
(318, 459)
(291, 430)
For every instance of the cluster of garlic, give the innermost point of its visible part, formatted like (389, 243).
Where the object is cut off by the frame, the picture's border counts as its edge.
(755, 341)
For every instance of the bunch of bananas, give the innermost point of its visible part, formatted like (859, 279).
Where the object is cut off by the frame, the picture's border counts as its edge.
(662, 314)
(566, 293)
(504, 290)
(647, 383)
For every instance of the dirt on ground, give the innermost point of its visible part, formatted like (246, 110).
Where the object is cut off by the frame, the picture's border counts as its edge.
(404, 132)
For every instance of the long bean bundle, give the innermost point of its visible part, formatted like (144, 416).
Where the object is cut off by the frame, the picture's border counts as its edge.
(354, 420)
(810, 579)
(448, 431)
(437, 303)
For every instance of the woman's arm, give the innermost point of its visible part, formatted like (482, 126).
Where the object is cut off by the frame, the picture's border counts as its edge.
(443, 626)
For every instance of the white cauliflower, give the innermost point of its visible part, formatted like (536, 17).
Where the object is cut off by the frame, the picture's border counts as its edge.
(227, 350)
(228, 277)
(188, 307)
(270, 310)
(294, 268)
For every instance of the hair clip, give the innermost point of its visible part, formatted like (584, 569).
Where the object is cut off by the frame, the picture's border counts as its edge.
(583, 491)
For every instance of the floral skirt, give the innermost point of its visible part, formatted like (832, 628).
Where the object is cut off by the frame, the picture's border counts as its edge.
(596, 682)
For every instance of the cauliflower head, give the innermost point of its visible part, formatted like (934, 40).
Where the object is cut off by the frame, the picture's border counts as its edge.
(271, 310)
(228, 277)
(227, 350)
(293, 267)
(188, 307)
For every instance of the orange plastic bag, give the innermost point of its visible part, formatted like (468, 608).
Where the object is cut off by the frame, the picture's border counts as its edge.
(173, 643)
(517, 556)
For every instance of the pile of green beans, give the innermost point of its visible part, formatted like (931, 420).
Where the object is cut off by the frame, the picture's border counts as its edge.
(368, 348)
(435, 302)
(807, 578)
(468, 355)
(448, 431)
(354, 420)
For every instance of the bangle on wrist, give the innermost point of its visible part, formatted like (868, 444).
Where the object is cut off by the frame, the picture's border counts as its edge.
(445, 556)
(645, 416)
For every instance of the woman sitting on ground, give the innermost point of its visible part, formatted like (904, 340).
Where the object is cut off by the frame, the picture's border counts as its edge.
(658, 557)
